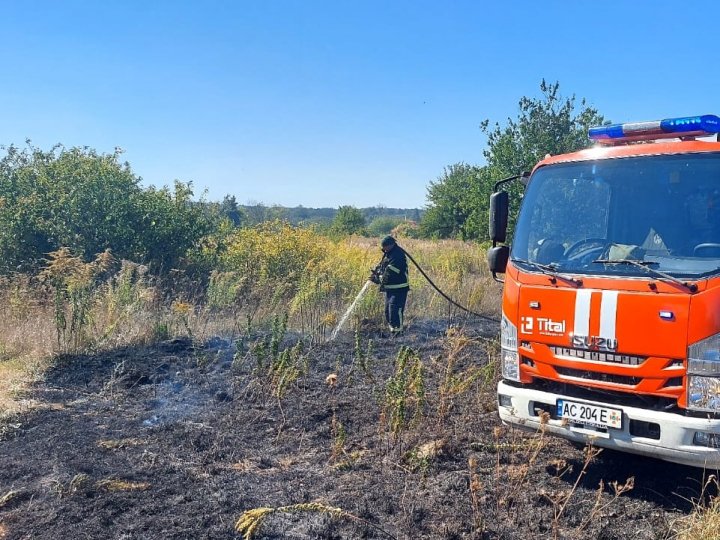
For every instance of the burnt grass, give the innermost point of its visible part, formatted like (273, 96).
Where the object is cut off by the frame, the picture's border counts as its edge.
(179, 439)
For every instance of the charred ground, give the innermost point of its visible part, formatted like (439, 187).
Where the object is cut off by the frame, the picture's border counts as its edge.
(178, 440)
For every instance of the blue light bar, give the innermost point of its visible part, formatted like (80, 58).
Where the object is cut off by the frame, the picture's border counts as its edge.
(689, 126)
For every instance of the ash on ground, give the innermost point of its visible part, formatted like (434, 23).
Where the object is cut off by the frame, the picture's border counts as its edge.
(401, 434)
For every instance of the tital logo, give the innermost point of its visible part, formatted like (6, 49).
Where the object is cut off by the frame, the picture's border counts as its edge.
(544, 326)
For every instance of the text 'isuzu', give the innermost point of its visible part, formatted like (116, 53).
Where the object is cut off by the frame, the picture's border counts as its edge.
(610, 330)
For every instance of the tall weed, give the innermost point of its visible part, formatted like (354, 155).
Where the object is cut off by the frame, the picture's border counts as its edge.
(404, 400)
(73, 283)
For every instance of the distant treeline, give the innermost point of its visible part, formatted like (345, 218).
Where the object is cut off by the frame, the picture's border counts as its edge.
(252, 214)
(372, 221)
(300, 215)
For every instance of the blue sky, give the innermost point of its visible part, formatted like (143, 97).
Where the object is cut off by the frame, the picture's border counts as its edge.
(327, 103)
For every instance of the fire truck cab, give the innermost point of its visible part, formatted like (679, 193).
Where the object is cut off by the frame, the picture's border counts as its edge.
(610, 329)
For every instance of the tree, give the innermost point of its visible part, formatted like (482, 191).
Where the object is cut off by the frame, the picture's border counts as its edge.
(458, 201)
(455, 200)
(229, 209)
(348, 220)
(63, 198)
(169, 224)
(550, 124)
(383, 225)
(546, 125)
(89, 202)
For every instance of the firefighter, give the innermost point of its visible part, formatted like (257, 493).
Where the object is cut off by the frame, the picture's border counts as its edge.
(392, 276)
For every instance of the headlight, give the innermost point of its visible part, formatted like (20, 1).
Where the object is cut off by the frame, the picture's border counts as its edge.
(703, 393)
(703, 375)
(509, 359)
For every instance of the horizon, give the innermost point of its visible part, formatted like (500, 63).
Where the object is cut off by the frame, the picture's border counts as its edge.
(375, 207)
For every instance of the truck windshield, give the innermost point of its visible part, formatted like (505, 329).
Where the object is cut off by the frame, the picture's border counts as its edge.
(661, 211)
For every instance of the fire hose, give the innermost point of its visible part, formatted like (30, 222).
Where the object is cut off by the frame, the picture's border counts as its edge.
(440, 292)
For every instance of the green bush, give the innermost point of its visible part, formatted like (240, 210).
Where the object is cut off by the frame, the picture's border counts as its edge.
(89, 202)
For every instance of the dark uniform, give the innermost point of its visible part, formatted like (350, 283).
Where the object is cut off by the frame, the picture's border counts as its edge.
(392, 276)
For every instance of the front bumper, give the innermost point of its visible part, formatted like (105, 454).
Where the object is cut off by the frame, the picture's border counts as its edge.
(674, 441)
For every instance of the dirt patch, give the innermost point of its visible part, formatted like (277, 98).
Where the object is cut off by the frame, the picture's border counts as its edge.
(400, 435)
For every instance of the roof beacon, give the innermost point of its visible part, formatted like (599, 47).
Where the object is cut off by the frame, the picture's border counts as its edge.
(689, 126)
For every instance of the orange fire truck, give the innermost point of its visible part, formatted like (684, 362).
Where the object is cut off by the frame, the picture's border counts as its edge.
(610, 329)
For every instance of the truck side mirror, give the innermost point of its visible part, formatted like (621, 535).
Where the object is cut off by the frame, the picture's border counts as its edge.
(497, 259)
(498, 216)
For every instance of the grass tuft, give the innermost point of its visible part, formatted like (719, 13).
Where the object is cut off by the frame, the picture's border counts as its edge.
(704, 522)
(9, 497)
(117, 444)
(112, 484)
(251, 521)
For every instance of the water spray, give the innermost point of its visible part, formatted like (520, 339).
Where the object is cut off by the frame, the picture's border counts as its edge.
(349, 310)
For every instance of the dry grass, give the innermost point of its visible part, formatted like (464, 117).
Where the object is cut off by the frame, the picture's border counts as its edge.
(26, 344)
(112, 484)
(9, 497)
(26, 338)
(704, 522)
(251, 521)
(253, 466)
(118, 444)
(14, 376)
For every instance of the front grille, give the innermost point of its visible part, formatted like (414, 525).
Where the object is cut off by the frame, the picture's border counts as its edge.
(619, 398)
(599, 377)
(675, 381)
(598, 356)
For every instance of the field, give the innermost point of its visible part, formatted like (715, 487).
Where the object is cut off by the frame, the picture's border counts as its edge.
(156, 416)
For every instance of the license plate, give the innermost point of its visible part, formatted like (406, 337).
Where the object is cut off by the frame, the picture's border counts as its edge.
(590, 415)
